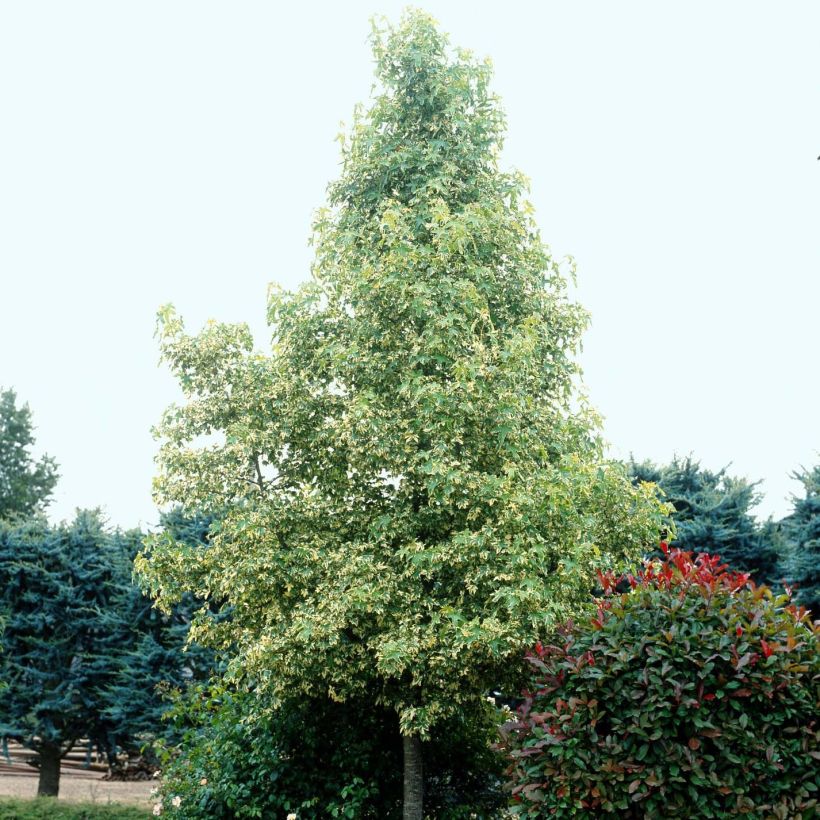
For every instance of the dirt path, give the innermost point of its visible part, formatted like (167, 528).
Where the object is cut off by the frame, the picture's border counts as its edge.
(77, 783)
(80, 790)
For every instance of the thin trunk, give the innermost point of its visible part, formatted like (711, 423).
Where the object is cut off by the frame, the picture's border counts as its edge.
(413, 778)
(49, 785)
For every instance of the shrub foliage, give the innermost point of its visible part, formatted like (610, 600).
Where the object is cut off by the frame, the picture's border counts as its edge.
(241, 758)
(695, 693)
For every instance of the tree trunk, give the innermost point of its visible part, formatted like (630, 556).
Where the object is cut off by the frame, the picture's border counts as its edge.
(49, 784)
(413, 778)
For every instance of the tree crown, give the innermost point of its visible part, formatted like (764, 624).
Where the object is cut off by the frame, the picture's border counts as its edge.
(408, 486)
(26, 485)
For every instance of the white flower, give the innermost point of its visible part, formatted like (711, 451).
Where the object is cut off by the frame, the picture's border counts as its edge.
(292, 816)
(176, 802)
(491, 700)
(157, 773)
(204, 781)
(157, 809)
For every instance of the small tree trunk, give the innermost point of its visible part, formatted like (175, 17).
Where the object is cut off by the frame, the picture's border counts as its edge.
(49, 785)
(413, 778)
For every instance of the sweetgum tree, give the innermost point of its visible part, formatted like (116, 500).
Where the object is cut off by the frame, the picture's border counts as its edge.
(694, 694)
(407, 488)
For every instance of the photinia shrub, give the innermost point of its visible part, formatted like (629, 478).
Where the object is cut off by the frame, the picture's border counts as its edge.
(692, 694)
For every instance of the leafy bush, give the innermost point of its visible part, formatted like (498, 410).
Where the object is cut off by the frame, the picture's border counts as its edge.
(46, 808)
(242, 758)
(694, 694)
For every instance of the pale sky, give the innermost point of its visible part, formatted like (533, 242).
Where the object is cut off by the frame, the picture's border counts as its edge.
(168, 151)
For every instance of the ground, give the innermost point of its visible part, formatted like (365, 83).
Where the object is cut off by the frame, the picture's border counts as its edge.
(78, 783)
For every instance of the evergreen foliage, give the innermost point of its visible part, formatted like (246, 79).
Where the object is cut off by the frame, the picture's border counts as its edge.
(58, 591)
(155, 659)
(712, 512)
(85, 653)
(408, 488)
(25, 485)
(801, 529)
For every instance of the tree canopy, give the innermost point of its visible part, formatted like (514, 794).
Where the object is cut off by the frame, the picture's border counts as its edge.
(409, 485)
(26, 485)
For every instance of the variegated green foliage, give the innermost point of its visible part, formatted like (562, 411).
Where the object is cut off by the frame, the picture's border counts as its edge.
(409, 486)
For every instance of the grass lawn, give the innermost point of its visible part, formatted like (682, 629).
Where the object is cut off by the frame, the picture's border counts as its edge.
(46, 808)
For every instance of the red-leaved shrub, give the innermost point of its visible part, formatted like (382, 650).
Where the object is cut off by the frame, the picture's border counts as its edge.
(693, 694)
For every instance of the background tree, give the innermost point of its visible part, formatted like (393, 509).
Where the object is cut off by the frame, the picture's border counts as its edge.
(801, 529)
(85, 655)
(57, 586)
(154, 660)
(410, 491)
(25, 485)
(712, 513)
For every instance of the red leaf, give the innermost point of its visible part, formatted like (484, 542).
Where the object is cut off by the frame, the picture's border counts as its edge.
(694, 743)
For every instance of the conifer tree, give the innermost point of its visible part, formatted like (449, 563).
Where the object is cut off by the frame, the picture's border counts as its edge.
(801, 566)
(712, 513)
(57, 590)
(408, 491)
(153, 659)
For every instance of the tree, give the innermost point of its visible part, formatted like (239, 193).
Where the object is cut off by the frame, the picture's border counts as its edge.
(802, 532)
(712, 512)
(153, 659)
(86, 654)
(57, 587)
(408, 488)
(25, 485)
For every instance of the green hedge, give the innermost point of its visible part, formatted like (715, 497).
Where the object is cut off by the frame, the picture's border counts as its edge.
(46, 808)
